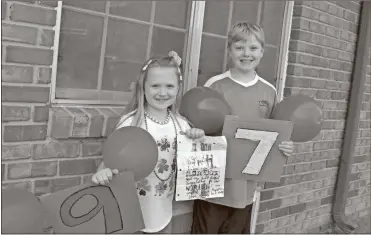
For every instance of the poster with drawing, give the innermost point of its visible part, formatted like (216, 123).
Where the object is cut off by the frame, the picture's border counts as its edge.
(201, 168)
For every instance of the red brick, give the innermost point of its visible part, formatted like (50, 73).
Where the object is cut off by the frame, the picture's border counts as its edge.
(327, 200)
(43, 75)
(315, 166)
(41, 114)
(271, 225)
(42, 169)
(301, 168)
(280, 212)
(56, 150)
(299, 23)
(61, 127)
(90, 148)
(297, 34)
(27, 185)
(46, 37)
(15, 113)
(266, 195)
(285, 221)
(317, 28)
(351, 16)
(269, 205)
(330, 53)
(264, 216)
(297, 82)
(294, 70)
(311, 72)
(24, 133)
(323, 94)
(25, 94)
(338, 95)
(19, 170)
(316, 83)
(297, 208)
(335, 10)
(28, 55)
(322, 5)
(15, 152)
(76, 167)
(80, 127)
(16, 33)
(32, 14)
(111, 119)
(96, 122)
(16, 74)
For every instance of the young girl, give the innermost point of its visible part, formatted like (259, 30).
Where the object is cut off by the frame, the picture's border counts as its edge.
(154, 107)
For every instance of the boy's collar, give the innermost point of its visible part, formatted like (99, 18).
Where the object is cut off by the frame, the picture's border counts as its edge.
(245, 84)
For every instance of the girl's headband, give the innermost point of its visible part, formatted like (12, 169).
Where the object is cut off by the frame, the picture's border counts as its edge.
(175, 58)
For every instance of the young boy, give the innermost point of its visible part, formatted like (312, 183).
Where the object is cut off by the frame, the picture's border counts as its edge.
(248, 96)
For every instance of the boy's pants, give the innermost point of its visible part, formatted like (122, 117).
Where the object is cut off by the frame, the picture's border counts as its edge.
(214, 218)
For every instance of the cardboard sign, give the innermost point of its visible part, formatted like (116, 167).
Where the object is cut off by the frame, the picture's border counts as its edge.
(253, 152)
(92, 208)
(201, 168)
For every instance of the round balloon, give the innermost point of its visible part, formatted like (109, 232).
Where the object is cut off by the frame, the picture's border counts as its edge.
(305, 114)
(21, 212)
(131, 149)
(205, 109)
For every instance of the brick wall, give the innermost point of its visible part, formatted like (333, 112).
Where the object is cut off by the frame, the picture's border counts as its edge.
(44, 148)
(27, 37)
(321, 54)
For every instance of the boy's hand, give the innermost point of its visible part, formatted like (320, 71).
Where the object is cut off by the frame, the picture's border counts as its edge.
(286, 147)
(104, 176)
(194, 133)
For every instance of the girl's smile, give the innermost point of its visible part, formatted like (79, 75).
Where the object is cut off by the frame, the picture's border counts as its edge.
(161, 88)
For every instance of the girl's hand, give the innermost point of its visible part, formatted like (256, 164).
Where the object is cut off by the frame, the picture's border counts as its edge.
(194, 133)
(104, 176)
(287, 148)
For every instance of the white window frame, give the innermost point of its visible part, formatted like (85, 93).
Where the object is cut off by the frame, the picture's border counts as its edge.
(192, 55)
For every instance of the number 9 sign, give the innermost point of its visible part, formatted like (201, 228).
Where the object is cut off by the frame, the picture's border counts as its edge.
(91, 208)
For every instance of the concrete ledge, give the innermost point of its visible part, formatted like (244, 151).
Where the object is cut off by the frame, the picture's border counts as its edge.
(83, 122)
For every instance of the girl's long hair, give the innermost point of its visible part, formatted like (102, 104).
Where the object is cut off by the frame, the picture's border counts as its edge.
(136, 106)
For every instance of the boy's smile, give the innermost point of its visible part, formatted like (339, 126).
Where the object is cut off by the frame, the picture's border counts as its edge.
(246, 54)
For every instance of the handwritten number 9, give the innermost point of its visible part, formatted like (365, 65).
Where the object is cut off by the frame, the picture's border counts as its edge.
(106, 202)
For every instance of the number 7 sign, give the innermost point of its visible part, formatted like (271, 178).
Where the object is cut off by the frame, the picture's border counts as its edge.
(252, 152)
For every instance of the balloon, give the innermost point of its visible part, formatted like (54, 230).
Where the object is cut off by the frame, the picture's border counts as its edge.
(131, 149)
(21, 212)
(305, 114)
(205, 109)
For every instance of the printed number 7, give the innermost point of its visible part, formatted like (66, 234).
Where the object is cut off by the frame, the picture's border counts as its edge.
(266, 141)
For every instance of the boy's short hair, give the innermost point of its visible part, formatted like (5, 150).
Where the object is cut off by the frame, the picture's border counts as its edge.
(241, 30)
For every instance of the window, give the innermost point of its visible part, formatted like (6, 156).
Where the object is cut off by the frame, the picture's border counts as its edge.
(102, 45)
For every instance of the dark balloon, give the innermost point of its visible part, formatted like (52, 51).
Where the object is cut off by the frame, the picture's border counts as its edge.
(21, 212)
(304, 112)
(131, 149)
(205, 109)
